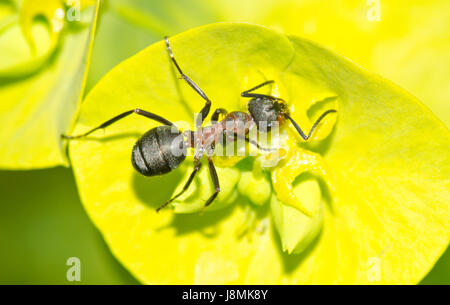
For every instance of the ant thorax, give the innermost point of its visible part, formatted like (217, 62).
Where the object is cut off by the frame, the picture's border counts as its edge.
(234, 124)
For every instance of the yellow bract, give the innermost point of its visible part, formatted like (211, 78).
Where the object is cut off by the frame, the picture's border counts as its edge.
(297, 230)
(385, 222)
(297, 162)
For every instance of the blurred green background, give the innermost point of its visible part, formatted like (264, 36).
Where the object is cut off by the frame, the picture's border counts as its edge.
(43, 222)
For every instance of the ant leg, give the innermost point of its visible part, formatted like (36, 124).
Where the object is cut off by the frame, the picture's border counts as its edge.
(197, 167)
(249, 141)
(217, 112)
(205, 110)
(248, 94)
(215, 179)
(302, 134)
(257, 87)
(149, 115)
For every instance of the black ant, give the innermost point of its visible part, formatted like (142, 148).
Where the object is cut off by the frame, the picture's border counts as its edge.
(163, 148)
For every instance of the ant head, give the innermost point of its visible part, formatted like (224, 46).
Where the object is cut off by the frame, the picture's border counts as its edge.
(265, 111)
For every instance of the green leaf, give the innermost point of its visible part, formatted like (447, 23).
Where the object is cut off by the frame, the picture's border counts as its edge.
(40, 90)
(385, 210)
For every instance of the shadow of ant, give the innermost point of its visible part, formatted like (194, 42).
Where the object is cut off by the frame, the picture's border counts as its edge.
(154, 191)
(206, 224)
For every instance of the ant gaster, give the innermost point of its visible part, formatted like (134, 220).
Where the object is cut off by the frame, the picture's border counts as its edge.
(163, 148)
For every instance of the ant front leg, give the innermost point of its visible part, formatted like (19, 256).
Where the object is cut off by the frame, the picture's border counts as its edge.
(205, 110)
(256, 95)
(144, 113)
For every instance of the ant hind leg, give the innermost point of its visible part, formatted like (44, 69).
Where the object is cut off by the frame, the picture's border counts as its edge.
(197, 167)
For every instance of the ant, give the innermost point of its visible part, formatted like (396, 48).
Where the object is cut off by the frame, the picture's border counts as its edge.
(163, 148)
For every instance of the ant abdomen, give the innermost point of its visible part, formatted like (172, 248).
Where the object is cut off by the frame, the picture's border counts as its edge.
(159, 151)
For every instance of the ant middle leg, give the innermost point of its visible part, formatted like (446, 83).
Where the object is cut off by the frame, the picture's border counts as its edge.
(144, 113)
(217, 112)
(205, 110)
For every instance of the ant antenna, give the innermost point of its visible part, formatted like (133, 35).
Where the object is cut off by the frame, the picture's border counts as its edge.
(302, 134)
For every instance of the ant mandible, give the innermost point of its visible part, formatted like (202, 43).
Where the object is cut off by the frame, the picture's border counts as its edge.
(163, 148)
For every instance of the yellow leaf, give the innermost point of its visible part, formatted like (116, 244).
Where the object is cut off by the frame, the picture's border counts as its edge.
(39, 97)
